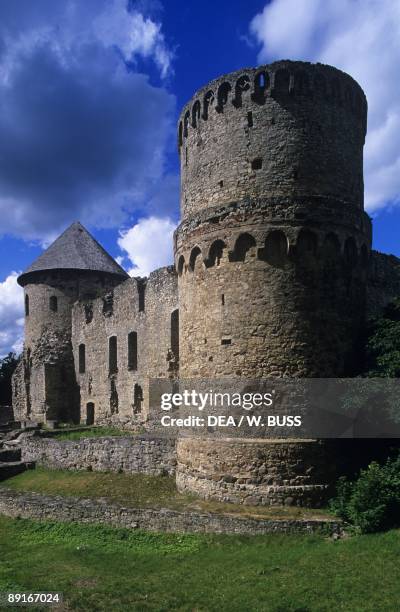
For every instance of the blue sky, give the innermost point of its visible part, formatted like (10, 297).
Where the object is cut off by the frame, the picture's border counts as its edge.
(90, 91)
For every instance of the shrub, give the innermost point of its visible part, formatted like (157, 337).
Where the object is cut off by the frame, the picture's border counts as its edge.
(372, 502)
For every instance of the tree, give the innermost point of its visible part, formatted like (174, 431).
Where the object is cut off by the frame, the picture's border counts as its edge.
(383, 344)
(7, 367)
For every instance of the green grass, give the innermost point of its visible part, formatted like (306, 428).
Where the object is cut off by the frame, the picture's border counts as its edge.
(139, 490)
(92, 432)
(99, 568)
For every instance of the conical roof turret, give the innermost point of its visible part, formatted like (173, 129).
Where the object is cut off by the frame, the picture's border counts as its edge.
(75, 249)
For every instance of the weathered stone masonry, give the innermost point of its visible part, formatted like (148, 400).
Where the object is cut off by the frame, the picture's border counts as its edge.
(132, 454)
(274, 276)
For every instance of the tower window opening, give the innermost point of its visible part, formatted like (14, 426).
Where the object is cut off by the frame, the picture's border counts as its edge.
(27, 305)
(53, 303)
(132, 351)
(250, 119)
(90, 413)
(226, 341)
(261, 80)
(137, 399)
(223, 299)
(114, 402)
(175, 333)
(141, 287)
(256, 164)
(221, 183)
(112, 355)
(82, 359)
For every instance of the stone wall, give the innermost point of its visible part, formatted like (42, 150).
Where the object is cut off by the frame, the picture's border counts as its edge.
(255, 472)
(56, 508)
(47, 367)
(131, 454)
(142, 307)
(265, 297)
(272, 256)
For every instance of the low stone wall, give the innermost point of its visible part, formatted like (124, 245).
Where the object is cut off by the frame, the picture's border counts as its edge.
(131, 454)
(56, 508)
(255, 472)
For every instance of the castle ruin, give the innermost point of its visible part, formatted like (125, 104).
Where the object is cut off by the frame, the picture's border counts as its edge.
(274, 277)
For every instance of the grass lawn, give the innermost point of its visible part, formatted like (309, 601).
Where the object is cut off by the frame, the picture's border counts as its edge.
(92, 432)
(139, 490)
(100, 568)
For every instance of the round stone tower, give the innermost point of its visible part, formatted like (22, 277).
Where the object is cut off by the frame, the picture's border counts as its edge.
(273, 247)
(74, 267)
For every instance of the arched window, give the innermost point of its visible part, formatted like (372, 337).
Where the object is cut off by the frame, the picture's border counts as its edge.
(215, 253)
(112, 355)
(194, 257)
(276, 249)
(53, 303)
(244, 245)
(27, 305)
(181, 263)
(350, 252)
(82, 358)
(132, 351)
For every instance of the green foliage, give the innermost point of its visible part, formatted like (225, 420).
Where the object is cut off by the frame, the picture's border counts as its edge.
(7, 367)
(92, 432)
(383, 343)
(372, 502)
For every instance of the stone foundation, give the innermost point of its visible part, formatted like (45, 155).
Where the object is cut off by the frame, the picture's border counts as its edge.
(255, 472)
(56, 508)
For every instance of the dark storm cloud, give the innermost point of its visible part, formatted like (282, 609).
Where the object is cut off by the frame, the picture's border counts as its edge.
(80, 136)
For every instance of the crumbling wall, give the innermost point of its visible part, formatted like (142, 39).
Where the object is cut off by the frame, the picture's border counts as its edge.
(44, 384)
(133, 323)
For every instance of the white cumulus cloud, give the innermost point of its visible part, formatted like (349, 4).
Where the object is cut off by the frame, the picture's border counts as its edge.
(148, 245)
(11, 315)
(363, 39)
(134, 34)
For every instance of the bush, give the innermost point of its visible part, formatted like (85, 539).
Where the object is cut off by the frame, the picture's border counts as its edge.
(7, 367)
(372, 502)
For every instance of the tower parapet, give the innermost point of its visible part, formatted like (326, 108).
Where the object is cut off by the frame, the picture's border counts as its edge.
(288, 128)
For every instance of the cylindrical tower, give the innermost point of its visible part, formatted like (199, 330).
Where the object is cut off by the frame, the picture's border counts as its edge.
(273, 246)
(74, 267)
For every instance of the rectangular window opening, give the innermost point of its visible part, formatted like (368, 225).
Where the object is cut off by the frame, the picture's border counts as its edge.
(132, 351)
(112, 355)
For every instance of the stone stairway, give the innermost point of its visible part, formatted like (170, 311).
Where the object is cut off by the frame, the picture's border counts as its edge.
(10, 453)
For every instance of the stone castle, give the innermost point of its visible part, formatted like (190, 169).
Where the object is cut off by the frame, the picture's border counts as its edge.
(274, 277)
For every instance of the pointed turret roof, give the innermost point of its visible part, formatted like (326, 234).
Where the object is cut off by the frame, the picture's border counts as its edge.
(75, 249)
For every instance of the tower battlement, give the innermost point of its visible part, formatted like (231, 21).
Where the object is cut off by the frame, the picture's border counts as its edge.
(288, 128)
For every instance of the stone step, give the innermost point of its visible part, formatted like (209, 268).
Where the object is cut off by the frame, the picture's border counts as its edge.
(12, 468)
(10, 454)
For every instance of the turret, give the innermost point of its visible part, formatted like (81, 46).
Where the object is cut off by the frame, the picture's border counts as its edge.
(272, 255)
(274, 243)
(74, 267)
